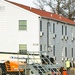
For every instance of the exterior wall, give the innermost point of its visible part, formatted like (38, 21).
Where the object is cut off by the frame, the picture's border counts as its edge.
(10, 36)
(12, 57)
(18, 57)
(59, 43)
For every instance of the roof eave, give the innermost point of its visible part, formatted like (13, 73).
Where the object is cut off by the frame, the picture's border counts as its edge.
(57, 20)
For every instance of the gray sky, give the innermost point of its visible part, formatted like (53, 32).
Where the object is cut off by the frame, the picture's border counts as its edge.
(29, 3)
(25, 2)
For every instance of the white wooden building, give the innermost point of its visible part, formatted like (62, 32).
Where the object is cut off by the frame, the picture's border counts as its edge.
(24, 28)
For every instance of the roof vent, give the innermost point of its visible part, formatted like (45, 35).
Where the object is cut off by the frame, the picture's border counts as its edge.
(30, 7)
(51, 15)
(60, 17)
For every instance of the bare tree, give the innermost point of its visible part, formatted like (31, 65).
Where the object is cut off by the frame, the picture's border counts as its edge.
(40, 4)
(69, 6)
(63, 7)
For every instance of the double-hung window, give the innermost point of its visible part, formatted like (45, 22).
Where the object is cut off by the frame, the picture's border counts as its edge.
(65, 30)
(72, 52)
(22, 24)
(40, 25)
(54, 50)
(40, 47)
(62, 30)
(53, 27)
(65, 51)
(23, 48)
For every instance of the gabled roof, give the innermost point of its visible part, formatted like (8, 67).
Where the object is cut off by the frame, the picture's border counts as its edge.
(44, 13)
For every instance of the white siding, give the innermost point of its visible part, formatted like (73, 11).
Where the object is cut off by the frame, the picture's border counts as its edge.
(10, 36)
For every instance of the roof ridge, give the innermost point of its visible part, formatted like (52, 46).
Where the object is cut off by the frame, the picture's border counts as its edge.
(44, 13)
(26, 6)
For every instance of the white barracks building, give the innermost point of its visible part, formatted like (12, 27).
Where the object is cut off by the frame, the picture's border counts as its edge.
(24, 28)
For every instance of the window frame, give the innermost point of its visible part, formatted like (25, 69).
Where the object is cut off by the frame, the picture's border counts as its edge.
(24, 26)
(65, 51)
(54, 50)
(53, 27)
(65, 30)
(72, 52)
(48, 26)
(40, 25)
(40, 47)
(24, 51)
(62, 29)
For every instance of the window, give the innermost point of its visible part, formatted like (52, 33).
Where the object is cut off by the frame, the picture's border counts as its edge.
(72, 52)
(65, 51)
(65, 30)
(40, 47)
(62, 30)
(23, 48)
(48, 24)
(54, 50)
(22, 24)
(40, 25)
(72, 31)
(2, 8)
(53, 27)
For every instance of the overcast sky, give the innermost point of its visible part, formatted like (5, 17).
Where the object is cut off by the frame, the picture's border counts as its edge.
(29, 3)
(25, 2)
